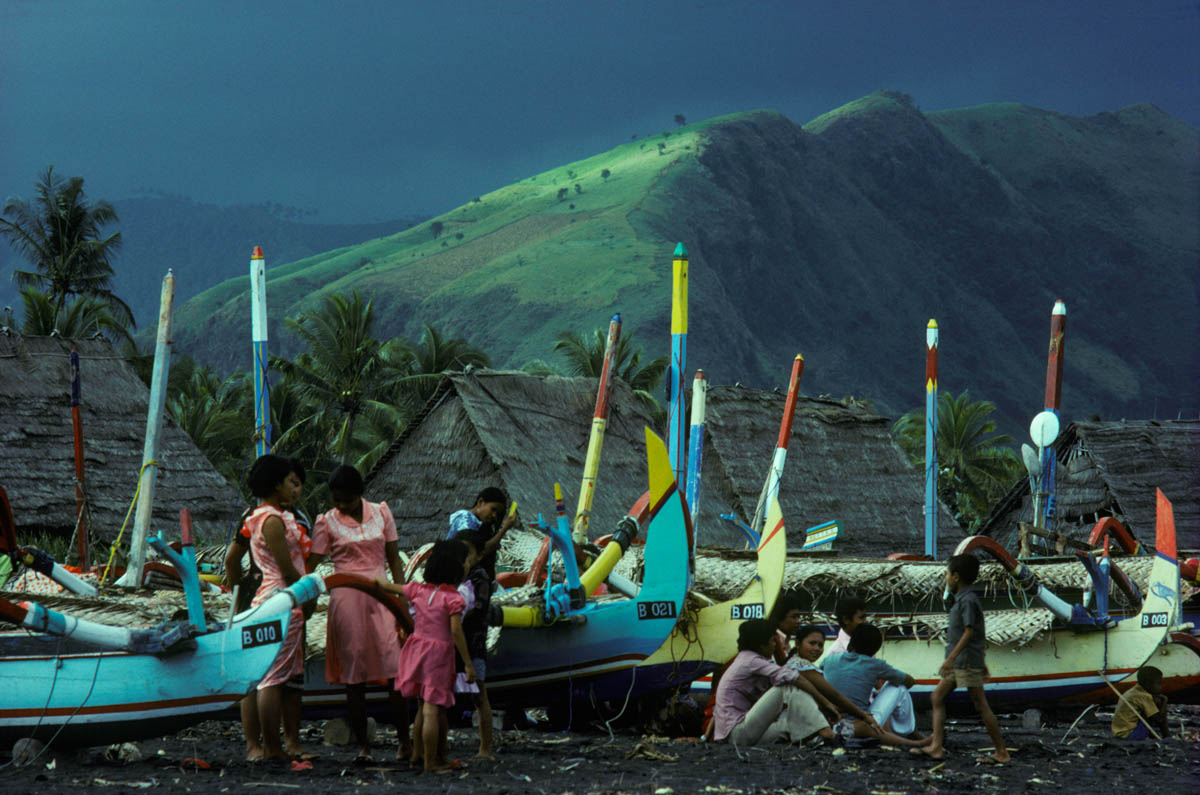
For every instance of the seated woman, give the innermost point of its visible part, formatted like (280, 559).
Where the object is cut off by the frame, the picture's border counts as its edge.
(785, 618)
(758, 701)
(810, 643)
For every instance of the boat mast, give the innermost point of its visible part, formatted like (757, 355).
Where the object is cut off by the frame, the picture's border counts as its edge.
(676, 433)
(931, 460)
(591, 464)
(258, 333)
(696, 442)
(149, 471)
(771, 487)
(1054, 365)
(81, 527)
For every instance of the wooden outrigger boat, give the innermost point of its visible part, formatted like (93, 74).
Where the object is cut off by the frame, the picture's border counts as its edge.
(1085, 661)
(81, 682)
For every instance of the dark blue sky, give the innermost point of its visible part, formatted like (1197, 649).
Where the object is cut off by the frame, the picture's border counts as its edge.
(368, 109)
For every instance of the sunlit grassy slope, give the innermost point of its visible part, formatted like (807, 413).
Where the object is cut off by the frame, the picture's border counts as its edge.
(574, 256)
(837, 239)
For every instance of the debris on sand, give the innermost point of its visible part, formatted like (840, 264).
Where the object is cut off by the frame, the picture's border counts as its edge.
(646, 750)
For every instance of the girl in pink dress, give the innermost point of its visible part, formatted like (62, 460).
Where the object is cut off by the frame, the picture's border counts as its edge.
(426, 669)
(361, 645)
(275, 543)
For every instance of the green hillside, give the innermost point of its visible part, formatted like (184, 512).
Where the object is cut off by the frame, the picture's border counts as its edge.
(838, 240)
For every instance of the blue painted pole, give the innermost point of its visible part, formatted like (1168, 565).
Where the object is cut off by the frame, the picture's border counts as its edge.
(258, 333)
(676, 432)
(696, 443)
(931, 424)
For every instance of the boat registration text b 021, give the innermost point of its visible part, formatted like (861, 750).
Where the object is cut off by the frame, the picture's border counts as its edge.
(650, 610)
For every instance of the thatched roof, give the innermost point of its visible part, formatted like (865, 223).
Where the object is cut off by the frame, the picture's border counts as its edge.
(523, 432)
(516, 431)
(842, 464)
(37, 449)
(1112, 469)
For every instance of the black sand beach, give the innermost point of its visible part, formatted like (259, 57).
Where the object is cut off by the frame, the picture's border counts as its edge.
(207, 759)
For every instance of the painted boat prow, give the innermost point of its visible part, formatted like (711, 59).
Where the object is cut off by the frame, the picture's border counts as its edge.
(545, 665)
(1066, 664)
(693, 651)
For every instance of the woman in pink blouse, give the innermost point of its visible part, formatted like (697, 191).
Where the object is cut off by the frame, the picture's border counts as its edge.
(361, 645)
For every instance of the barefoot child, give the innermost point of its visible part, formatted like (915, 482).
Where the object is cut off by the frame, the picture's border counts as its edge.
(275, 542)
(964, 665)
(854, 674)
(1143, 705)
(360, 636)
(476, 590)
(426, 668)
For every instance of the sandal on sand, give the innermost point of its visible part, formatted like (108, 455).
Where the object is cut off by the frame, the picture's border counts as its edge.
(456, 764)
(989, 760)
(364, 759)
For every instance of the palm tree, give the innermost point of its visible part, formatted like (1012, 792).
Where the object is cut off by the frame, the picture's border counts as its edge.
(344, 373)
(61, 234)
(216, 415)
(585, 356)
(434, 355)
(975, 466)
(83, 317)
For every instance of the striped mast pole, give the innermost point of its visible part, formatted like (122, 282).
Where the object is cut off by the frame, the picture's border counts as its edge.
(771, 488)
(258, 335)
(931, 460)
(676, 432)
(154, 418)
(81, 528)
(591, 464)
(696, 442)
(1054, 365)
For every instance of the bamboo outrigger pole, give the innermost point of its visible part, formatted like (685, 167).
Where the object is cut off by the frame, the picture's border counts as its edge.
(676, 432)
(591, 464)
(696, 442)
(149, 471)
(81, 528)
(931, 460)
(1054, 365)
(771, 487)
(258, 331)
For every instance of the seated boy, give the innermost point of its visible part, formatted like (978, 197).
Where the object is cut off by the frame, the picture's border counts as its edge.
(854, 674)
(850, 612)
(1145, 701)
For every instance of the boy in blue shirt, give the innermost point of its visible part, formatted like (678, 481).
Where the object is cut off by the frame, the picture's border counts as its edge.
(964, 665)
(854, 674)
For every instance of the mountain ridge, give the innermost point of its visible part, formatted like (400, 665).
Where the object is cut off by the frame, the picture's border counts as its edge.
(836, 239)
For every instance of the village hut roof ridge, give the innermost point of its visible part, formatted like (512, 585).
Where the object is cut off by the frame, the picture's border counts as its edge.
(842, 464)
(1113, 469)
(519, 432)
(37, 450)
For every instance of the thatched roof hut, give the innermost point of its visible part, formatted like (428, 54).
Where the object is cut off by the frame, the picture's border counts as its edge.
(842, 464)
(37, 464)
(1112, 469)
(522, 432)
(516, 431)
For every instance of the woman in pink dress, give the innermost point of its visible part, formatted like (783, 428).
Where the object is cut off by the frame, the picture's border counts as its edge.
(276, 546)
(361, 645)
(426, 669)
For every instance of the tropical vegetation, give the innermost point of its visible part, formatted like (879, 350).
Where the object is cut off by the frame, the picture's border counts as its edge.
(60, 233)
(976, 465)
